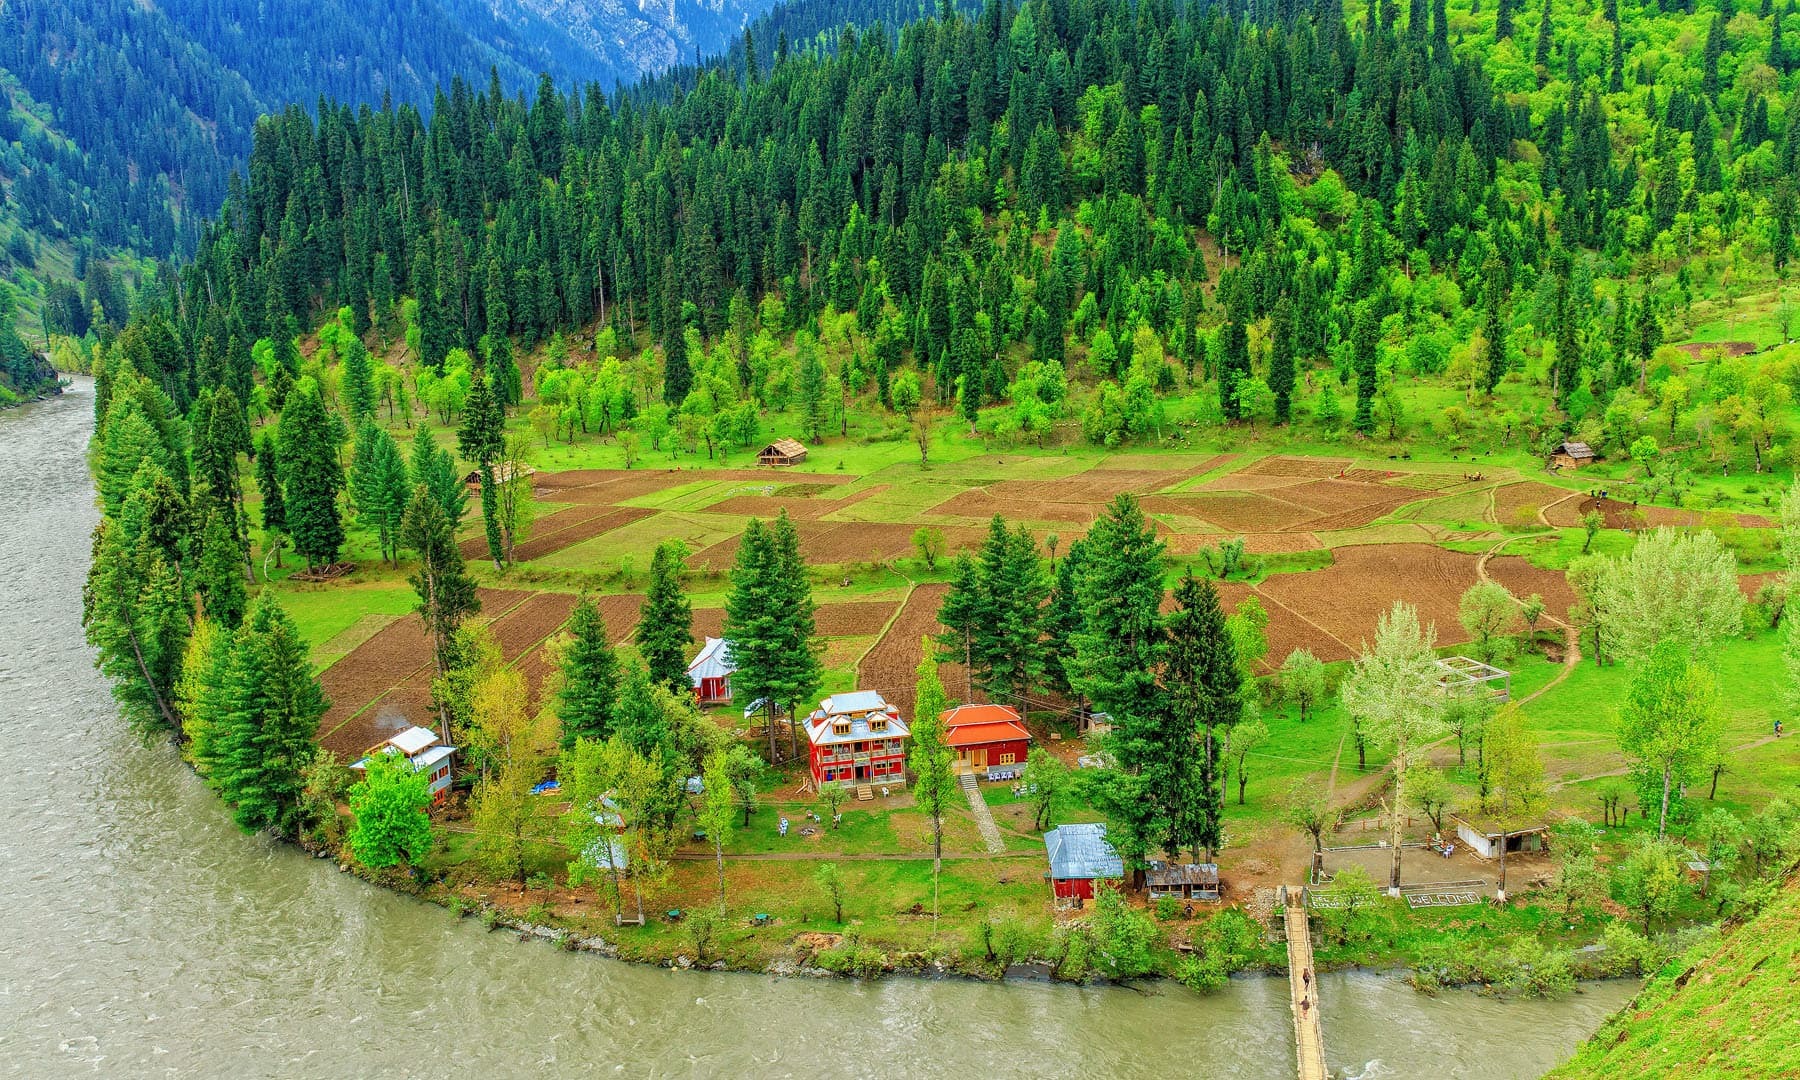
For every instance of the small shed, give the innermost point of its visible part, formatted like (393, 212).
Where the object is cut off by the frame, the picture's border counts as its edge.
(1572, 455)
(1464, 676)
(783, 451)
(1486, 840)
(504, 472)
(1079, 855)
(711, 672)
(1186, 881)
(989, 739)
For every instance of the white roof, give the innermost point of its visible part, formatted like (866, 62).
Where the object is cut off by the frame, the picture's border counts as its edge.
(413, 740)
(854, 707)
(714, 661)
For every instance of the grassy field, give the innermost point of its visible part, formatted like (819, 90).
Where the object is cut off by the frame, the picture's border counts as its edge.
(1336, 530)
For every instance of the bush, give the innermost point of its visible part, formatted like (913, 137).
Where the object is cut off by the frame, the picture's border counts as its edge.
(1201, 974)
(1076, 955)
(1168, 908)
(1124, 937)
(1627, 952)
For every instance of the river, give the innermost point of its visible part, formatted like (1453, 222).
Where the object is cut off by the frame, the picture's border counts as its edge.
(145, 936)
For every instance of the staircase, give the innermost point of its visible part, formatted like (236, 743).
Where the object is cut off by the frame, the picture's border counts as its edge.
(865, 793)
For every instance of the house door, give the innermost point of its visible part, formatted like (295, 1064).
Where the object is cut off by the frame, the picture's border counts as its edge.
(978, 757)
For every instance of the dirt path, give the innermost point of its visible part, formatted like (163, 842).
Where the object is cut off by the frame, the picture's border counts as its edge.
(1571, 636)
(1622, 770)
(1331, 787)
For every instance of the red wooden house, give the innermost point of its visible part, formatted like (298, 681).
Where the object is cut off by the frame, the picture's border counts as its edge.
(711, 672)
(989, 739)
(1079, 856)
(857, 738)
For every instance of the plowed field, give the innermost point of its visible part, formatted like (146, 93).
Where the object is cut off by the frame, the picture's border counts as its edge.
(891, 666)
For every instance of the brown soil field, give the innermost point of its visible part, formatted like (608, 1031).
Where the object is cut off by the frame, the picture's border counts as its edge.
(372, 667)
(1522, 579)
(828, 542)
(1286, 631)
(1619, 515)
(389, 658)
(1508, 499)
(1346, 598)
(1338, 496)
(531, 622)
(982, 504)
(854, 618)
(542, 543)
(620, 613)
(810, 506)
(708, 622)
(1243, 512)
(1280, 465)
(891, 666)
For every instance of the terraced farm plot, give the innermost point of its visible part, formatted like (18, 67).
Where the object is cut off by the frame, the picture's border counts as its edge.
(1511, 499)
(1346, 598)
(891, 665)
(1237, 512)
(1523, 579)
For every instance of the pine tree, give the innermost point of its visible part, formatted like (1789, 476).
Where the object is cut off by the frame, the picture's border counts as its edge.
(590, 671)
(445, 590)
(311, 478)
(380, 486)
(221, 572)
(1008, 638)
(799, 672)
(1546, 35)
(359, 383)
(1365, 342)
(665, 630)
(1118, 652)
(272, 706)
(961, 614)
(1205, 692)
(1281, 359)
(480, 440)
(750, 631)
(268, 484)
(135, 613)
(432, 466)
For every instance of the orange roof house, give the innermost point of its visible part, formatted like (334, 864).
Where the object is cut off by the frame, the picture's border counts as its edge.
(989, 740)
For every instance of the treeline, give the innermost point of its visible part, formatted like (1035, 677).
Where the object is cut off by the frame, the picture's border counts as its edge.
(1042, 184)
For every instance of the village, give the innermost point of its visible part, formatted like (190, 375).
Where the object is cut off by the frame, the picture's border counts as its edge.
(832, 865)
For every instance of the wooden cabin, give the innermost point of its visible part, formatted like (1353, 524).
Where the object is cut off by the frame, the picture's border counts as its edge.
(1572, 455)
(782, 451)
(1185, 881)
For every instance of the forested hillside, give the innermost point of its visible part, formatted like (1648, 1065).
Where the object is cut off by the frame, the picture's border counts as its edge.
(1156, 198)
(122, 122)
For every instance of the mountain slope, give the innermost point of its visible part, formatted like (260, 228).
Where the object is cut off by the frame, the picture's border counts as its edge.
(121, 122)
(1723, 1015)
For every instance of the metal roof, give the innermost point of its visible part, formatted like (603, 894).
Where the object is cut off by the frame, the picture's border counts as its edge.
(853, 702)
(1081, 851)
(413, 740)
(714, 661)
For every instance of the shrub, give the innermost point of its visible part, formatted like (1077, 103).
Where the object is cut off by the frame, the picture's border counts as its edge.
(1168, 908)
(1123, 937)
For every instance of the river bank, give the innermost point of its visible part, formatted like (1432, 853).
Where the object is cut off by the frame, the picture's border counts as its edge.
(153, 939)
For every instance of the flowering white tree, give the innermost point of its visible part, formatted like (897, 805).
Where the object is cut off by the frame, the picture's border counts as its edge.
(1673, 586)
(1393, 692)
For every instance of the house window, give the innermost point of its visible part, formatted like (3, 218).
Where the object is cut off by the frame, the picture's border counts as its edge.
(840, 727)
(877, 723)
(1008, 759)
